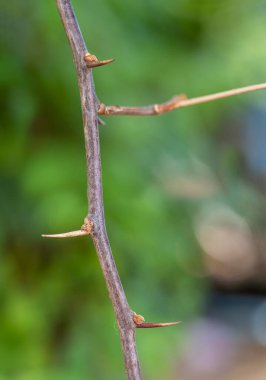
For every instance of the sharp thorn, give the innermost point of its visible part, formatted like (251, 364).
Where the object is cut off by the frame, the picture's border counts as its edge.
(92, 61)
(155, 325)
(67, 234)
(93, 64)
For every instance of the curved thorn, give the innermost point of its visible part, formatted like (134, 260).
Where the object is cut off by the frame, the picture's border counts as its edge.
(67, 234)
(155, 325)
(92, 61)
(97, 63)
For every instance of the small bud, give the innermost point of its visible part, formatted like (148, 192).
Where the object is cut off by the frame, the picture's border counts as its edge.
(138, 319)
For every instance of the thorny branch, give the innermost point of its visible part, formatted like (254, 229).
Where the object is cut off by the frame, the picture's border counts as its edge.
(94, 223)
(123, 313)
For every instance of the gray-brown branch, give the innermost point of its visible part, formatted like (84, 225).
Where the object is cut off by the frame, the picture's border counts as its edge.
(89, 105)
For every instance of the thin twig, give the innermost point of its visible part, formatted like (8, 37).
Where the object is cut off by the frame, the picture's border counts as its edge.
(178, 101)
(89, 105)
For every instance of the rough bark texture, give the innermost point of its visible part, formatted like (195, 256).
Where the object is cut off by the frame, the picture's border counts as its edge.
(89, 105)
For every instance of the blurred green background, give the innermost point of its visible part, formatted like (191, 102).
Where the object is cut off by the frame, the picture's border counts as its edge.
(160, 175)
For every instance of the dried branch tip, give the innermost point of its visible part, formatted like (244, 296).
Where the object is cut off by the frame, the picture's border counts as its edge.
(140, 322)
(86, 229)
(92, 61)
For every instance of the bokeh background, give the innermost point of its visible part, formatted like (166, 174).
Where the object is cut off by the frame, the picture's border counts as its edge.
(184, 192)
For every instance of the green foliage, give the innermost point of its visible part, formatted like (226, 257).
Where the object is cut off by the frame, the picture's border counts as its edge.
(56, 320)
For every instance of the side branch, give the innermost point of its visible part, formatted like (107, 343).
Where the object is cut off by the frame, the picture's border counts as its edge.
(178, 101)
